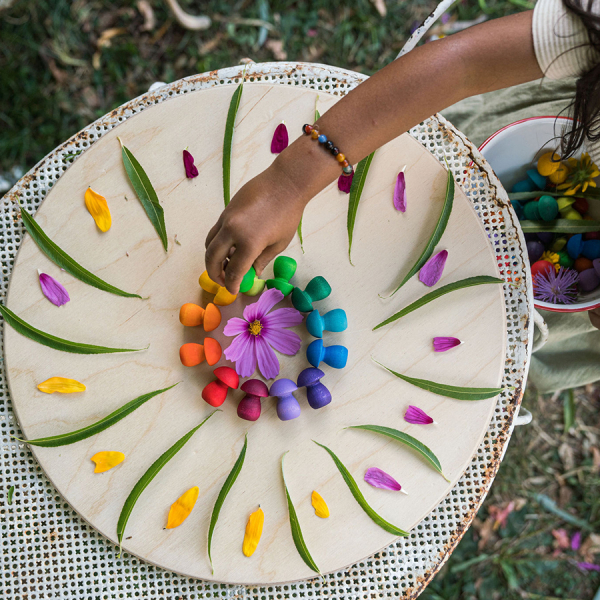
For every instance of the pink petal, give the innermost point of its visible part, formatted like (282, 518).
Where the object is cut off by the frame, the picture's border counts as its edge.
(345, 182)
(282, 317)
(441, 344)
(576, 541)
(416, 416)
(283, 340)
(280, 139)
(245, 364)
(380, 479)
(267, 300)
(588, 566)
(235, 326)
(238, 346)
(400, 193)
(190, 168)
(432, 270)
(268, 364)
(53, 290)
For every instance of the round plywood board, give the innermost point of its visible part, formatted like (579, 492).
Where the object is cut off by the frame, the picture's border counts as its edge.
(130, 256)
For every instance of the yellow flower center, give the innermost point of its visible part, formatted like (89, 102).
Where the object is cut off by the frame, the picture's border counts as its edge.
(255, 327)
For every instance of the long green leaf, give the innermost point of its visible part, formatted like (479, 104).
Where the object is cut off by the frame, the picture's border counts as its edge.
(295, 526)
(64, 261)
(560, 226)
(41, 337)
(9, 496)
(358, 183)
(537, 194)
(351, 483)
(440, 227)
(451, 391)
(81, 434)
(300, 235)
(410, 441)
(445, 289)
(149, 475)
(569, 410)
(145, 193)
(228, 140)
(233, 475)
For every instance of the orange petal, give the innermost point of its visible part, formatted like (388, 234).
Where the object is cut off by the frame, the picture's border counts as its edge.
(182, 507)
(62, 385)
(107, 460)
(253, 532)
(212, 350)
(320, 506)
(212, 317)
(191, 315)
(192, 354)
(98, 208)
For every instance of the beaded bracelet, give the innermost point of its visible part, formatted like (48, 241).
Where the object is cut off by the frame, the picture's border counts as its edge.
(313, 131)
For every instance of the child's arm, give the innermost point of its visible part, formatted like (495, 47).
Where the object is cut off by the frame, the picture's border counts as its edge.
(262, 217)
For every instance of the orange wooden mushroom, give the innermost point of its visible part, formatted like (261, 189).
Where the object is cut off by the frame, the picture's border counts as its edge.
(191, 315)
(212, 317)
(212, 351)
(192, 354)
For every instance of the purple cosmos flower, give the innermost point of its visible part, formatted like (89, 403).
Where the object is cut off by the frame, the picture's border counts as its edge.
(190, 168)
(280, 139)
(380, 479)
(586, 566)
(441, 344)
(431, 271)
(576, 541)
(557, 288)
(345, 182)
(416, 416)
(400, 192)
(53, 290)
(259, 332)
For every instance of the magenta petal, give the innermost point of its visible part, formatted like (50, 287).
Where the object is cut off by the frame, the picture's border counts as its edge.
(345, 182)
(190, 168)
(441, 344)
(235, 326)
(280, 139)
(416, 416)
(380, 479)
(284, 341)
(432, 270)
(53, 290)
(400, 193)
(576, 541)
(282, 317)
(268, 364)
(588, 566)
(267, 300)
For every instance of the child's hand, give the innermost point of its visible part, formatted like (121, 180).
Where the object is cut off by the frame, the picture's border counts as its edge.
(595, 317)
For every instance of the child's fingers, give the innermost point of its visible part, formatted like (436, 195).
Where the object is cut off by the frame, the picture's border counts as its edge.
(216, 253)
(239, 264)
(267, 255)
(211, 234)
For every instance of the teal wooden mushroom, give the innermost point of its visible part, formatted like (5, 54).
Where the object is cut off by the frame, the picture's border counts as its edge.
(317, 289)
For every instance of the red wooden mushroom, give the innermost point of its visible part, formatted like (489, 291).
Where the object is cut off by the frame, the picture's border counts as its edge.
(216, 391)
(249, 406)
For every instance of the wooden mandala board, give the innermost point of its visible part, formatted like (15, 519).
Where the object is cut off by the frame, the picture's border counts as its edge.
(130, 256)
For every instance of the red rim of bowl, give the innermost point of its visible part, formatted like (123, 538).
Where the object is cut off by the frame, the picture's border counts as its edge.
(549, 308)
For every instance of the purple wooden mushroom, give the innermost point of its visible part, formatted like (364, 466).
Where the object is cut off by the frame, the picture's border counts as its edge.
(317, 394)
(287, 406)
(249, 406)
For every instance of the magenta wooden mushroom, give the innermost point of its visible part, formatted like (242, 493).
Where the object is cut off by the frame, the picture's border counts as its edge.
(249, 406)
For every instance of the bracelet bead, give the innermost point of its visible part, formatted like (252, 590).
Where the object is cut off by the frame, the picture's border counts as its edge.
(335, 151)
(314, 134)
(307, 128)
(329, 145)
(340, 158)
(348, 170)
(322, 139)
(345, 163)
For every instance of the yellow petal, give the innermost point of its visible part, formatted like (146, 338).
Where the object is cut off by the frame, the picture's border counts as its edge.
(182, 507)
(61, 385)
(592, 183)
(254, 529)
(585, 186)
(595, 173)
(107, 460)
(320, 506)
(98, 208)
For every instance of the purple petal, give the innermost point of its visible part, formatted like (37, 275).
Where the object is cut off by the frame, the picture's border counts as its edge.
(400, 193)
(280, 139)
(53, 290)
(282, 317)
(441, 344)
(345, 182)
(416, 416)
(190, 168)
(267, 300)
(235, 326)
(576, 541)
(245, 363)
(268, 364)
(432, 270)
(380, 479)
(283, 340)
(238, 346)
(588, 566)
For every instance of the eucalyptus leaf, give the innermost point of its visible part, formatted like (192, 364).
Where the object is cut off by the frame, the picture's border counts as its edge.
(149, 475)
(64, 261)
(233, 475)
(145, 193)
(81, 434)
(351, 483)
(41, 337)
(410, 441)
(11, 493)
(560, 226)
(441, 291)
(450, 391)
(228, 140)
(300, 235)
(295, 526)
(440, 227)
(569, 410)
(358, 183)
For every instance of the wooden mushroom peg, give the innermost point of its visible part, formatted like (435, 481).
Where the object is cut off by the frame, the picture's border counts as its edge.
(284, 268)
(317, 394)
(249, 406)
(192, 354)
(334, 356)
(216, 391)
(317, 289)
(287, 406)
(335, 320)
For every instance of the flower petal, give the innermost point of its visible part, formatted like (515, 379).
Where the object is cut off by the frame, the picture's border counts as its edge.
(107, 460)
(345, 182)
(190, 168)
(283, 340)
(268, 364)
(441, 344)
(400, 192)
(235, 350)
(182, 507)
(431, 271)
(280, 139)
(576, 541)
(282, 317)
(263, 305)
(53, 290)
(380, 479)
(98, 208)
(245, 365)
(416, 416)
(235, 326)
(62, 385)
(586, 566)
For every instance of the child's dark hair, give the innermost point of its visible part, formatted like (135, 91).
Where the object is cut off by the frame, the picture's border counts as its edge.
(585, 108)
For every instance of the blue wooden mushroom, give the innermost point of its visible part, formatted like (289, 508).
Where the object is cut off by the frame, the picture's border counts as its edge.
(334, 356)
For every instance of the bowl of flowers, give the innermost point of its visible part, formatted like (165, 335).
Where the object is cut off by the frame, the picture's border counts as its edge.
(558, 205)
